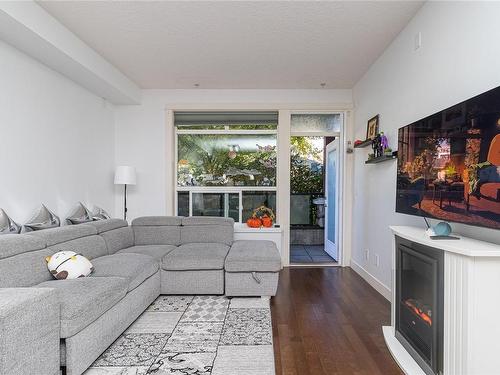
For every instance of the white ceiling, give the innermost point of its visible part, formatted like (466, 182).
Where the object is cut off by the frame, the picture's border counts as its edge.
(237, 44)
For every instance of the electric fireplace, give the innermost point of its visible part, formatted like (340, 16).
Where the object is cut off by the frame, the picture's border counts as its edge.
(444, 311)
(419, 303)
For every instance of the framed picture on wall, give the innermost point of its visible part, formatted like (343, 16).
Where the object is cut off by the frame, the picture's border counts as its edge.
(372, 128)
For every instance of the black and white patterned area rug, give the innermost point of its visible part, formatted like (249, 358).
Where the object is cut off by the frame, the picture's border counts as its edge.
(194, 335)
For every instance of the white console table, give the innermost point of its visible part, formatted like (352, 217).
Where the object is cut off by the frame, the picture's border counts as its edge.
(471, 306)
(244, 232)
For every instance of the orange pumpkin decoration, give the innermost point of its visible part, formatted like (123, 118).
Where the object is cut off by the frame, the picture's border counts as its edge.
(267, 221)
(254, 222)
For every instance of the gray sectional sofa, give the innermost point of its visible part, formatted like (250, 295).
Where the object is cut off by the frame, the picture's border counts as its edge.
(133, 265)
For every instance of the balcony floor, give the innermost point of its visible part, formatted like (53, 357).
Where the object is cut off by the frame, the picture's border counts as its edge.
(304, 254)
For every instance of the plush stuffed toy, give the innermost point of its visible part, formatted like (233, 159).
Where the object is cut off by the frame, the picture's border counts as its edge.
(69, 265)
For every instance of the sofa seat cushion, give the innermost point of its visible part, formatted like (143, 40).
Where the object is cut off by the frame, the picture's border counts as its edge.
(253, 256)
(155, 251)
(85, 299)
(134, 267)
(196, 256)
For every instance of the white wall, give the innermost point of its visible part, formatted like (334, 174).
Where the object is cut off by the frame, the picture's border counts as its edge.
(56, 140)
(143, 141)
(459, 58)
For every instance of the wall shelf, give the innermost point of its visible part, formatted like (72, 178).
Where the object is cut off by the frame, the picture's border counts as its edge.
(381, 159)
(364, 144)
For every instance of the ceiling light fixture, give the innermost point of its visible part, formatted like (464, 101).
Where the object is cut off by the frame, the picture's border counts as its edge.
(322, 84)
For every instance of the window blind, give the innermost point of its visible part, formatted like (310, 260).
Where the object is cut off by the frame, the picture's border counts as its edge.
(225, 118)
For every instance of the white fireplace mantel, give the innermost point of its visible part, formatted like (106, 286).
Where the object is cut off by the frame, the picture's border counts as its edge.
(465, 246)
(471, 305)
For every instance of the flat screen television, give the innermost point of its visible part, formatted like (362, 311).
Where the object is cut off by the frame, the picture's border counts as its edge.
(449, 163)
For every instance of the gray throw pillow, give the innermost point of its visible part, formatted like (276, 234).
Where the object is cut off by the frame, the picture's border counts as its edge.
(80, 214)
(43, 219)
(99, 214)
(7, 225)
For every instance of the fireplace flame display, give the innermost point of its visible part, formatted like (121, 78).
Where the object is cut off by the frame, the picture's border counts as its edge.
(422, 311)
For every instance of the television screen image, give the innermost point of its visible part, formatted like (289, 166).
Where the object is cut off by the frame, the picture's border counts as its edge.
(449, 163)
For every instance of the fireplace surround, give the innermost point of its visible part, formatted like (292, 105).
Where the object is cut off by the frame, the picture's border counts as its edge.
(470, 305)
(419, 303)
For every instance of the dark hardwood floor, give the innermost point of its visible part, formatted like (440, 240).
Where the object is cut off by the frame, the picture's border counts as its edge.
(329, 321)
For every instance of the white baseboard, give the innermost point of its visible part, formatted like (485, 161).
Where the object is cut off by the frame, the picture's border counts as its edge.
(378, 285)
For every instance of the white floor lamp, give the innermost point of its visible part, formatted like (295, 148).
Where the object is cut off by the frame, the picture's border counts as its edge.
(125, 175)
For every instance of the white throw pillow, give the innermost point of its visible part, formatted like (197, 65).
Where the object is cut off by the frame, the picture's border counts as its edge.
(69, 265)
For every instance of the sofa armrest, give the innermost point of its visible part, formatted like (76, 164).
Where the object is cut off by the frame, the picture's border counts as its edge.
(29, 331)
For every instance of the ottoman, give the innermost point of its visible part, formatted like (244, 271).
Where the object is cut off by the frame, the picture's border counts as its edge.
(252, 269)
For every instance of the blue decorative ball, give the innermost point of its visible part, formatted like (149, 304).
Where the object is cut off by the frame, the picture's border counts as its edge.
(442, 229)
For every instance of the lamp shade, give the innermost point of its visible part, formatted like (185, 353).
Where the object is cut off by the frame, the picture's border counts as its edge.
(125, 175)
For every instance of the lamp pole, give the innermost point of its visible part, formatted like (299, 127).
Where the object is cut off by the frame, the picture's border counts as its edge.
(125, 175)
(125, 203)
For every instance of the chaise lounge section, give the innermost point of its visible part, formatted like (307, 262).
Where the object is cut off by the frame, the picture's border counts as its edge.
(96, 310)
(133, 265)
(252, 269)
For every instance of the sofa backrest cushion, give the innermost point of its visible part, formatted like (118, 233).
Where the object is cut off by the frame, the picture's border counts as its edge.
(67, 233)
(15, 244)
(115, 232)
(203, 229)
(81, 239)
(106, 225)
(150, 221)
(25, 269)
(118, 239)
(22, 261)
(90, 246)
(157, 230)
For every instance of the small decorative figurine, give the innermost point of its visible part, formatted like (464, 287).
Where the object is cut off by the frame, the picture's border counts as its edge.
(374, 146)
(377, 146)
(384, 141)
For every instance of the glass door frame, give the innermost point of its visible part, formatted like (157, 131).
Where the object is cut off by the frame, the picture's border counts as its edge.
(340, 178)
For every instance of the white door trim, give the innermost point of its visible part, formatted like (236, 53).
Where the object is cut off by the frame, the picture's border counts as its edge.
(332, 248)
(345, 185)
(285, 110)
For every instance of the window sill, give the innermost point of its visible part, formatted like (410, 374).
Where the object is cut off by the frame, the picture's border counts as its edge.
(243, 228)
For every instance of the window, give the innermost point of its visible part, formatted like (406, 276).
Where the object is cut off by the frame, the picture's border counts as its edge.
(316, 123)
(226, 159)
(216, 204)
(254, 199)
(226, 163)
